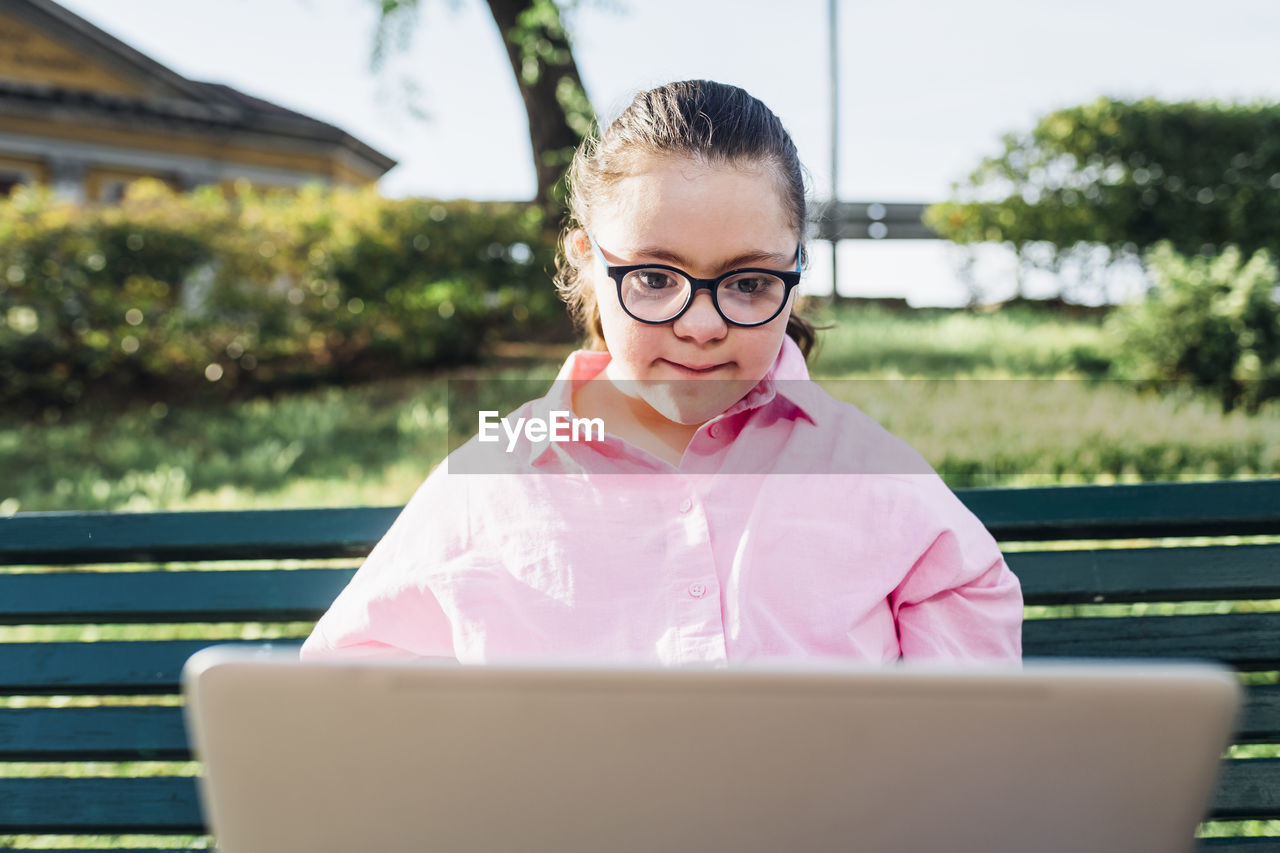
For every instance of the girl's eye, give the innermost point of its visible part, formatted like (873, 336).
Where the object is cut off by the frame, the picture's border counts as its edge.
(750, 285)
(655, 279)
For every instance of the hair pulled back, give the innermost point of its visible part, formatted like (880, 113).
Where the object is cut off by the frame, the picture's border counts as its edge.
(711, 122)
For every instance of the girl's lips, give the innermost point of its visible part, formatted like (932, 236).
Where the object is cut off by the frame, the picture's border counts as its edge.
(695, 370)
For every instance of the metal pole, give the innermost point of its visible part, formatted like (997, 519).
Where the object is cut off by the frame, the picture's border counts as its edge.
(833, 51)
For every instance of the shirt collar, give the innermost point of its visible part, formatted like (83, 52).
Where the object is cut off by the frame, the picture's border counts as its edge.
(787, 379)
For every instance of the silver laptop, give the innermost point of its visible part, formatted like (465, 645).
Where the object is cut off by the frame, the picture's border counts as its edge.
(420, 756)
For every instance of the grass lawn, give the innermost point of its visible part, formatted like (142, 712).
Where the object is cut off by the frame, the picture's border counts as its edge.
(1003, 398)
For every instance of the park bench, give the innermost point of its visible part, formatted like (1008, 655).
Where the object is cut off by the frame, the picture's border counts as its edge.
(157, 571)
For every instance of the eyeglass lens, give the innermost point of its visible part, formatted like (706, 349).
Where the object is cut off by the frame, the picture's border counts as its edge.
(658, 295)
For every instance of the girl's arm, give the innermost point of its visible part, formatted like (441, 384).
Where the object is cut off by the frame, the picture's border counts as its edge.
(396, 622)
(979, 619)
(959, 601)
(388, 609)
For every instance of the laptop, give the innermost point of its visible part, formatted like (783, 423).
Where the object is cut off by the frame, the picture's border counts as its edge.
(413, 756)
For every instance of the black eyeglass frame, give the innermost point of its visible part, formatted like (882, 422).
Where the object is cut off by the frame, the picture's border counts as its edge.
(790, 280)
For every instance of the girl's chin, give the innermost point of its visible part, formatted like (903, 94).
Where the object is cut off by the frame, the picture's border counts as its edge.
(692, 402)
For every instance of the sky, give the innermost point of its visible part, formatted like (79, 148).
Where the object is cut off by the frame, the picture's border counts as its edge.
(926, 87)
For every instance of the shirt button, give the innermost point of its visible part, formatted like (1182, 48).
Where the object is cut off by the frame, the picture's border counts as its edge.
(715, 430)
(686, 505)
(697, 590)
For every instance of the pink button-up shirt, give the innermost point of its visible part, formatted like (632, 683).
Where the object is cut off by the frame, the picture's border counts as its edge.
(794, 527)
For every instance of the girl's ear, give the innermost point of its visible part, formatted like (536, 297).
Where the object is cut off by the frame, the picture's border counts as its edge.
(578, 244)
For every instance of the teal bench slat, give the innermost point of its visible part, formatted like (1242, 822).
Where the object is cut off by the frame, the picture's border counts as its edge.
(93, 734)
(159, 733)
(1248, 845)
(1102, 512)
(1048, 577)
(1211, 573)
(1128, 511)
(1248, 789)
(143, 667)
(1260, 718)
(161, 596)
(58, 538)
(147, 804)
(1246, 641)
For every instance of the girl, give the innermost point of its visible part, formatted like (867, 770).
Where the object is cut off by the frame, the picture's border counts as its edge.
(730, 509)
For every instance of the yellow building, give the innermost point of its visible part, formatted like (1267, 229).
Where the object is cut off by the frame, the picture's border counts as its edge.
(85, 113)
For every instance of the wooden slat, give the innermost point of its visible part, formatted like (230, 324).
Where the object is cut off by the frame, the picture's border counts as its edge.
(93, 734)
(1249, 845)
(158, 804)
(160, 596)
(1260, 718)
(152, 666)
(1048, 577)
(1248, 789)
(1129, 511)
(159, 733)
(57, 538)
(1248, 641)
(1148, 574)
(1059, 512)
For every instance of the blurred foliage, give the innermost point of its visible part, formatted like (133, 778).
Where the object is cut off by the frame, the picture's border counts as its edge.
(168, 293)
(1127, 175)
(1212, 321)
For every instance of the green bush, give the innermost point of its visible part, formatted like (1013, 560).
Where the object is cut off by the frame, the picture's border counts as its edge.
(167, 293)
(1126, 175)
(1211, 321)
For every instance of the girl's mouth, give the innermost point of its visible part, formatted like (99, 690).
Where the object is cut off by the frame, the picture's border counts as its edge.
(696, 370)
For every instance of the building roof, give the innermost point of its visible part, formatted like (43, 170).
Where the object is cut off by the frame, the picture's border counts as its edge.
(159, 98)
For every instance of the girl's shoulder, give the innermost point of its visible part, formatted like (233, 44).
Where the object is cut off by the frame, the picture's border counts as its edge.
(904, 478)
(850, 440)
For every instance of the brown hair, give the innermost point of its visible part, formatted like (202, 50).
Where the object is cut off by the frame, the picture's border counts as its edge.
(708, 121)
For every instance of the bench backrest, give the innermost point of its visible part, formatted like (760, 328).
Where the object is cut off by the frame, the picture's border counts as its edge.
(148, 590)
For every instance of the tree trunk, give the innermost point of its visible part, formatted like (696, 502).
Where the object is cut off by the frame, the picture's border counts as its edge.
(554, 98)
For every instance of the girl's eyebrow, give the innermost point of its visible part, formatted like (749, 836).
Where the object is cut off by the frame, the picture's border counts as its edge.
(744, 260)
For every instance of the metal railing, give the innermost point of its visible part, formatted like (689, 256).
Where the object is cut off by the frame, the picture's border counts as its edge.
(862, 220)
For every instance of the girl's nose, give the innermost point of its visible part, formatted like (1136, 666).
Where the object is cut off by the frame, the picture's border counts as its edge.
(702, 322)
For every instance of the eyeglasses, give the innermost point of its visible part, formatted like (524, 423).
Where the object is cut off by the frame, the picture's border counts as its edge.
(658, 293)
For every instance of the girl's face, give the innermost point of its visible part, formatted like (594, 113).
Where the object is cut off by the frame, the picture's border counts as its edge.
(706, 220)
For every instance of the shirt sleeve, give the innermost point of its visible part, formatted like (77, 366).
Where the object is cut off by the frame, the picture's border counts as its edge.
(388, 609)
(959, 600)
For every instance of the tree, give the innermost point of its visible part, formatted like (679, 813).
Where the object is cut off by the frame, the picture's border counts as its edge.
(1211, 322)
(1125, 176)
(541, 57)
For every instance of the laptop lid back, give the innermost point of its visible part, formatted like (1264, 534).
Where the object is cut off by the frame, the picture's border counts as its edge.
(414, 756)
